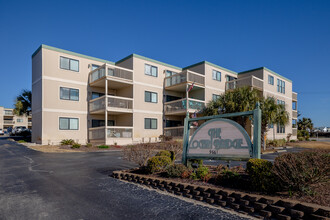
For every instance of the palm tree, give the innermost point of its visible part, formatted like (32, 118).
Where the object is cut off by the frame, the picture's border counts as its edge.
(305, 123)
(238, 100)
(245, 99)
(23, 103)
(271, 113)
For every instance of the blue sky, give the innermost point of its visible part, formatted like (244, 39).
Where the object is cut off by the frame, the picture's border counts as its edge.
(291, 38)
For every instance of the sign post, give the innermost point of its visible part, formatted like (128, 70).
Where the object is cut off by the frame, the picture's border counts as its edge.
(222, 139)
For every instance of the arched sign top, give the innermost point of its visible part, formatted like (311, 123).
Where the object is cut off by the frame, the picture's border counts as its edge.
(220, 138)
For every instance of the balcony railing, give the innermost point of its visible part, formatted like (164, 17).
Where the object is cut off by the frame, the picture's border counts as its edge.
(120, 132)
(8, 121)
(181, 105)
(97, 133)
(97, 104)
(110, 71)
(294, 131)
(294, 96)
(8, 113)
(116, 102)
(246, 81)
(185, 76)
(177, 131)
(294, 114)
(113, 102)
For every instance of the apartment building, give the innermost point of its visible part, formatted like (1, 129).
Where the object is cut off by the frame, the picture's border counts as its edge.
(9, 120)
(135, 99)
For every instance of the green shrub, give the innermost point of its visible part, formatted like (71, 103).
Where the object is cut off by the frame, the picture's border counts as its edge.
(301, 139)
(89, 145)
(261, 175)
(164, 153)
(303, 133)
(176, 170)
(313, 140)
(67, 142)
(202, 173)
(300, 171)
(103, 146)
(21, 141)
(276, 143)
(292, 140)
(228, 177)
(195, 161)
(158, 163)
(75, 145)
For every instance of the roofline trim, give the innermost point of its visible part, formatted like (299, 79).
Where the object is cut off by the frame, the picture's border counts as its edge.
(211, 64)
(71, 53)
(265, 68)
(148, 59)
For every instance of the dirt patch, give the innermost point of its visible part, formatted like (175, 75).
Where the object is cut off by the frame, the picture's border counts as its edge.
(311, 144)
(67, 149)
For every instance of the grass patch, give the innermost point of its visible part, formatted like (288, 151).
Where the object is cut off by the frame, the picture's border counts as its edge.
(311, 144)
(103, 146)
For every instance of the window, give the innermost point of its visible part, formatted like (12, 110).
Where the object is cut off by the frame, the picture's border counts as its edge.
(216, 75)
(96, 95)
(94, 67)
(150, 70)
(280, 86)
(280, 102)
(150, 123)
(169, 73)
(230, 78)
(69, 123)
(280, 129)
(294, 105)
(20, 120)
(294, 123)
(150, 97)
(215, 97)
(100, 123)
(270, 80)
(69, 94)
(69, 64)
(8, 112)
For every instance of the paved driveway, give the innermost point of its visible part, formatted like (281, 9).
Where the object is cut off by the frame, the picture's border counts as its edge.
(35, 185)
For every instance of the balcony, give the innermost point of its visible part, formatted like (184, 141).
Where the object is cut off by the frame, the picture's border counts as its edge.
(179, 107)
(251, 81)
(178, 81)
(294, 96)
(177, 131)
(294, 114)
(8, 122)
(8, 113)
(115, 134)
(117, 75)
(116, 104)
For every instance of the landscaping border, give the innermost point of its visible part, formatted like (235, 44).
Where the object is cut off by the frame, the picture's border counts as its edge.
(259, 206)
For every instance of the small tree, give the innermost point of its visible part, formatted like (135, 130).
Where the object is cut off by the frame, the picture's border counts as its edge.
(23, 103)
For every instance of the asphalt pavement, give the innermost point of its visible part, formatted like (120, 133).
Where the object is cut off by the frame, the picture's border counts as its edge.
(36, 185)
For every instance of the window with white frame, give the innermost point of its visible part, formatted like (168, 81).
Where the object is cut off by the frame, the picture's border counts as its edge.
(68, 123)
(20, 120)
(150, 70)
(270, 80)
(280, 86)
(215, 97)
(150, 97)
(280, 129)
(69, 64)
(150, 123)
(216, 75)
(69, 94)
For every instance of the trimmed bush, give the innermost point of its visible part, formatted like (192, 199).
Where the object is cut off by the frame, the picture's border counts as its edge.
(195, 161)
(158, 163)
(103, 146)
(276, 143)
(67, 142)
(164, 153)
(75, 145)
(176, 170)
(292, 140)
(301, 139)
(89, 145)
(261, 175)
(300, 171)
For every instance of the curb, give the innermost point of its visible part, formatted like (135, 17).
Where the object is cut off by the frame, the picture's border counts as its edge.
(259, 206)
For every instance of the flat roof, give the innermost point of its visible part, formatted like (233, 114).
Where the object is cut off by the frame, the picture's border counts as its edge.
(151, 60)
